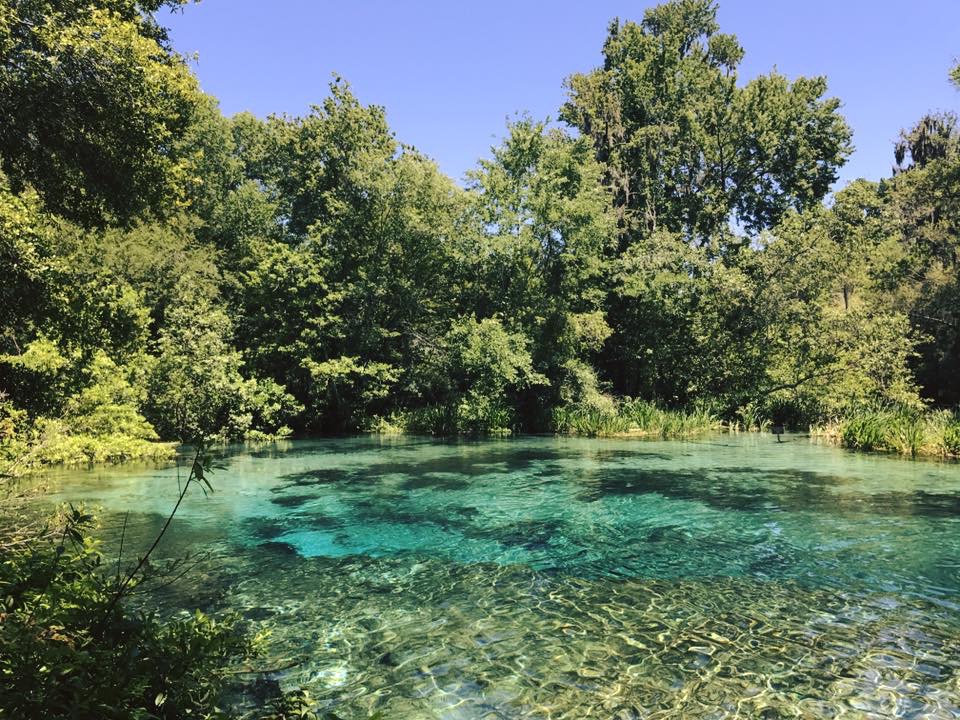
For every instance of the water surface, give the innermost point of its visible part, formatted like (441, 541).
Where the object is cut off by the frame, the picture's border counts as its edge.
(574, 578)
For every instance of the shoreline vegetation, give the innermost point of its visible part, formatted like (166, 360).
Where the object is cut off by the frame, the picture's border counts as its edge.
(904, 431)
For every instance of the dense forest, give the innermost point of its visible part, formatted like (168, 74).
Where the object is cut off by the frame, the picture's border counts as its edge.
(669, 244)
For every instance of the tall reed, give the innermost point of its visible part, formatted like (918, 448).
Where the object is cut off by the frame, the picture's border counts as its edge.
(640, 417)
(902, 430)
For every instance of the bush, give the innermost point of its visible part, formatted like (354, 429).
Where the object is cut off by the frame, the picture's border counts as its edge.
(26, 446)
(53, 443)
(67, 651)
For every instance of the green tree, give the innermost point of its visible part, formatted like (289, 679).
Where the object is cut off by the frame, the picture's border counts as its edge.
(540, 255)
(195, 389)
(92, 100)
(473, 376)
(935, 137)
(685, 148)
(340, 302)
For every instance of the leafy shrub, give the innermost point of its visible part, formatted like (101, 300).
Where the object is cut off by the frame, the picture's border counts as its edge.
(474, 414)
(53, 443)
(107, 406)
(68, 651)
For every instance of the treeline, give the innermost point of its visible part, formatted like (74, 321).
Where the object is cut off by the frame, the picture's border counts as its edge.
(172, 273)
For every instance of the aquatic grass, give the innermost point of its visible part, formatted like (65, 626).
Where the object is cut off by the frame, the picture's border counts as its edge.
(944, 430)
(635, 416)
(864, 432)
(950, 440)
(907, 433)
(438, 420)
(901, 430)
(752, 419)
(590, 421)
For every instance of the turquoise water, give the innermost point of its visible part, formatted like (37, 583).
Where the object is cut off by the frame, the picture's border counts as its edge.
(573, 578)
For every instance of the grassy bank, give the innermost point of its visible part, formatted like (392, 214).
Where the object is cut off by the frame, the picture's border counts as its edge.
(32, 446)
(907, 432)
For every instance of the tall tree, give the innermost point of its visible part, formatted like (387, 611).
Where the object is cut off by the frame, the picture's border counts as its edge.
(686, 149)
(546, 236)
(369, 232)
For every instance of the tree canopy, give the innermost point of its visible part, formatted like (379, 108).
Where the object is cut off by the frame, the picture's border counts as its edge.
(671, 239)
(686, 147)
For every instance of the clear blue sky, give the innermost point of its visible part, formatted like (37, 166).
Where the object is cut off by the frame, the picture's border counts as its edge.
(450, 73)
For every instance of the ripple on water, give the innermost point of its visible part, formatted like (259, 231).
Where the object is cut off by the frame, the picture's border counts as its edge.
(418, 638)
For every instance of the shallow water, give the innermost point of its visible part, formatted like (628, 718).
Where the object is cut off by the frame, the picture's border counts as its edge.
(574, 578)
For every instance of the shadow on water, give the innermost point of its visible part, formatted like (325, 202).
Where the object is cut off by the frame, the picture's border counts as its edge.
(749, 489)
(483, 461)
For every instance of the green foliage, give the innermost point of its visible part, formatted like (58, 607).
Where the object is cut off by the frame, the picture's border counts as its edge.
(648, 418)
(751, 418)
(901, 430)
(437, 420)
(345, 384)
(590, 420)
(105, 67)
(53, 442)
(297, 705)
(605, 417)
(195, 388)
(950, 429)
(473, 371)
(540, 260)
(108, 405)
(66, 651)
(100, 423)
(935, 137)
(36, 373)
(489, 357)
(684, 145)
(866, 432)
